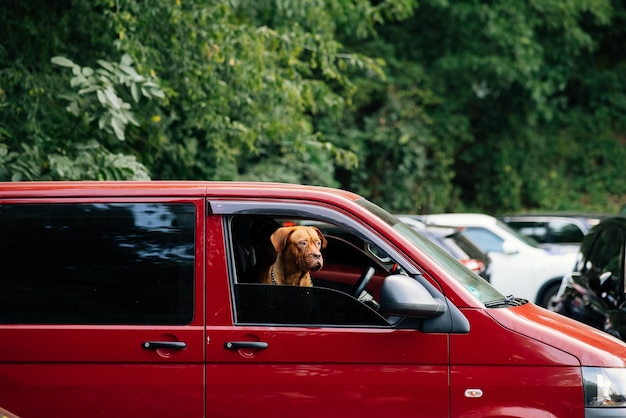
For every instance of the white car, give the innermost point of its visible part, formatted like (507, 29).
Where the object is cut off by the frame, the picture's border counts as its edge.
(519, 265)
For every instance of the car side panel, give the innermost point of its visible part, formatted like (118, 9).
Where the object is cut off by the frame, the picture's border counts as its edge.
(515, 391)
(488, 381)
(79, 370)
(316, 371)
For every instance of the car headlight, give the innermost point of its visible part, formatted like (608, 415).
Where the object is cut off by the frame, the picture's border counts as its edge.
(604, 387)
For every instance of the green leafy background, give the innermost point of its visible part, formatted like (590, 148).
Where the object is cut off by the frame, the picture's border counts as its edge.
(420, 106)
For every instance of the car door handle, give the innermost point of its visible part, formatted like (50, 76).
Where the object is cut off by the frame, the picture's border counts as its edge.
(236, 345)
(153, 345)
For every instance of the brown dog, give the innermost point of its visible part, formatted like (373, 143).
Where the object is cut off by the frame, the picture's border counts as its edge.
(298, 252)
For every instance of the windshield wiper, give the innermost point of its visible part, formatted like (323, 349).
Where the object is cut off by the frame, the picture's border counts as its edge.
(506, 301)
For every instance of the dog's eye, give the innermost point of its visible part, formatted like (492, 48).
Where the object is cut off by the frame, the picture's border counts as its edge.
(302, 243)
(318, 243)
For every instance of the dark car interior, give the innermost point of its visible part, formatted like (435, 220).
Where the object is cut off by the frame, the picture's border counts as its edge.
(595, 294)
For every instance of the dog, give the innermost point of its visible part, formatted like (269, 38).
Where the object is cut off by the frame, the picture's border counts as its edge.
(298, 252)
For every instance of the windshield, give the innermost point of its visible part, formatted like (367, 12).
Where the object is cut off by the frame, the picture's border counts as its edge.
(470, 280)
(524, 238)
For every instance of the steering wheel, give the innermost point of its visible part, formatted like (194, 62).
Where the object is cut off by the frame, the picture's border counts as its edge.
(362, 282)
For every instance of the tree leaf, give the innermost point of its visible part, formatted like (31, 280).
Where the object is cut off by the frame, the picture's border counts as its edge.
(62, 61)
(118, 127)
(134, 91)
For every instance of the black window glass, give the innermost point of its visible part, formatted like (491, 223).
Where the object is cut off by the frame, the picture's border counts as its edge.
(536, 230)
(293, 305)
(564, 232)
(130, 263)
(602, 268)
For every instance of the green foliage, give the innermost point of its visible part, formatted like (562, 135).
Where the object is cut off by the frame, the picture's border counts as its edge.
(506, 74)
(39, 138)
(468, 105)
(245, 81)
(97, 96)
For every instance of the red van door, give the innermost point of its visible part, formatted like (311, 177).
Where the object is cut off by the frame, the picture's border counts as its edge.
(101, 308)
(285, 351)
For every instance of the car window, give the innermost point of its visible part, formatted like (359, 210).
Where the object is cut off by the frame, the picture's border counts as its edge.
(294, 305)
(468, 246)
(484, 239)
(121, 263)
(602, 267)
(475, 284)
(565, 232)
(442, 238)
(503, 226)
(556, 231)
(536, 230)
(329, 302)
(239, 216)
(454, 249)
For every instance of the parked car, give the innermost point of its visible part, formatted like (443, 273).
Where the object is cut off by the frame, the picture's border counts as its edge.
(595, 291)
(519, 266)
(136, 299)
(564, 230)
(452, 240)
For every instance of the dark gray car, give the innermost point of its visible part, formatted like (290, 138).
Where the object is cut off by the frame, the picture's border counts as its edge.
(595, 291)
(564, 230)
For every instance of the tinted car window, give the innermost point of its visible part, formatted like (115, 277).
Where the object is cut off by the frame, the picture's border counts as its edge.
(554, 231)
(294, 305)
(97, 263)
(536, 230)
(602, 267)
(565, 232)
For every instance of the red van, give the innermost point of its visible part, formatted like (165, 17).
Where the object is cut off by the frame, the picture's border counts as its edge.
(139, 299)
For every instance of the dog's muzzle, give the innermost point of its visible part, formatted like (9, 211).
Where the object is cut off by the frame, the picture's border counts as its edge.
(312, 262)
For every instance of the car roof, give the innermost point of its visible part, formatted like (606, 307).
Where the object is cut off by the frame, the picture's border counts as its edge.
(551, 215)
(619, 221)
(473, 218)
(168, 188)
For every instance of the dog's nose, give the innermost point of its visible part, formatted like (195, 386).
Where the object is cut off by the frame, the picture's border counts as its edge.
(317, 255)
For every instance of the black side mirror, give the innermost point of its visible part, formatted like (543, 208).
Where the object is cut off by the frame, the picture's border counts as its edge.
(403, 296)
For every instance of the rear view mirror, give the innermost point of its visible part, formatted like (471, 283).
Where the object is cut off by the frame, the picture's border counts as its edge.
(403, 296)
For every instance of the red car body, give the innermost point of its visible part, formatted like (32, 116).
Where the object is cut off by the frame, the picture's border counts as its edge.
(518, 360)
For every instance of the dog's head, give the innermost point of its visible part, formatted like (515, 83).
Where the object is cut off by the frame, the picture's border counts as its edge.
(301, 245)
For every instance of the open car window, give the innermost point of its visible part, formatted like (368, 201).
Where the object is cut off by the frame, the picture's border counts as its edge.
(238, 217)
(331, 301)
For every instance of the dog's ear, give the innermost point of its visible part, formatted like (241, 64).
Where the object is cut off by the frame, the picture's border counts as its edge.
(322, 237)
(279, 237)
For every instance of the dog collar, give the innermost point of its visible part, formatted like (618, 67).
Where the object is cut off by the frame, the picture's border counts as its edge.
(273, 277)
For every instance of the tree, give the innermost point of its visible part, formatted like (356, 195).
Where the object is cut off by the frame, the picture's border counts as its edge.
(233, 87)
(510, 69)
(484, 102)
(41, 138)
(467, 105)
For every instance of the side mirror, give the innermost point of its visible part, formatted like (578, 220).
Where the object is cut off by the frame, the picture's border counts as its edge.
(403, 296)
(509, 248)
(605, 276)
